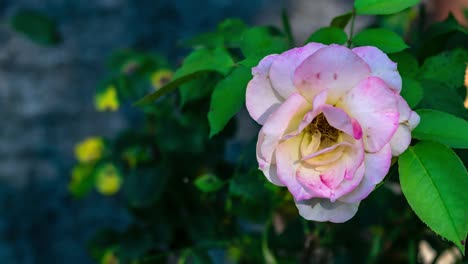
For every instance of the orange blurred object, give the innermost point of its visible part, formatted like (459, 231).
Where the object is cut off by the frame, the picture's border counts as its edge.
(443, 7)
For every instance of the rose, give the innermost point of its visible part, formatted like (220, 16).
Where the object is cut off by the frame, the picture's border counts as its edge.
(332, 120)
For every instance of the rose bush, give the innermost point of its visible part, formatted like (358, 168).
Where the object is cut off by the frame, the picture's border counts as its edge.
(332, 119)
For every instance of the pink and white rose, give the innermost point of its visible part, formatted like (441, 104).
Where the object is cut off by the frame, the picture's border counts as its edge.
(332, 119)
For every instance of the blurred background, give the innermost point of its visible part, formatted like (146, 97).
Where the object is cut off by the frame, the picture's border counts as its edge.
(47, 89)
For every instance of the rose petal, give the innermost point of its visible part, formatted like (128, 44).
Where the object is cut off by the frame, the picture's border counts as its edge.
(287, 161)
(286, 118)
(377, 164)
(317, 104)
(288, 115)
(325, 150)
(350, 184)
(359, 193)
(400, 140)
(403, 109)
(310, 143)
(413, 120)
(381, 66)
(335, 68)
(376, 167)
(325, 158)
(282, 69)
(322, 210)
(263, 67)
(315, 182)
(335, 179)
(338, 119)
(374, 106)
(266, 163)
(261, 98)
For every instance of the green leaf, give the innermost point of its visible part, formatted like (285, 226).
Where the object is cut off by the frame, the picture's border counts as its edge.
(447, 67)
(442, 127)
(217, 60)
(400, 23)
(169, 87)
(386, 40)
(232, 30)
(227, 99)
(228, 33)
(36, 26)
(208, 183)
(440, 96)
(407, 64)
(197, 63)
(341, 21)
(412, 91)
(434, 181)
(198, 88)
(382, 7)
(328, 35)
(258, 42)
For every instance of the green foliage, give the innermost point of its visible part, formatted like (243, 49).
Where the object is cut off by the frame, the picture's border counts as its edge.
(208, 183)
(342, 20)
(412, 91)
(434, 182)
(194, 257)
(382, 7)
(407, 64)
(245, 189)
(217, 60)
(36, 26)
(328, 35)
(198, 88)
(195, 198)
(227, 99)
(176, 132)
(447, 67)
(386, 40)
(442, 36)
(197, 63)
(227, 34)
(144, 186)
(257, 42)
(442, 127)
(439, 96)
(401, 23)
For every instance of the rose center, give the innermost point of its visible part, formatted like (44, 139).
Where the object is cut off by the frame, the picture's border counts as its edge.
(327, 132)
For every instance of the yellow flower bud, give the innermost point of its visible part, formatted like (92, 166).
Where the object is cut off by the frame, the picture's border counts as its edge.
(109, 258)
(107, 100)
(160, 78)
(89, 150)
(108, 180)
